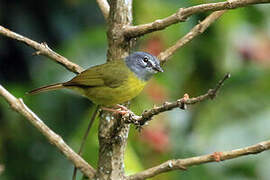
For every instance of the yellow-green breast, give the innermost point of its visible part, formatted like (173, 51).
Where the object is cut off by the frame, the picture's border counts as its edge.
(110, 96)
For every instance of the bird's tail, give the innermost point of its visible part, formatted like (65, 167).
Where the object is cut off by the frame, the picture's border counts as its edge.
(47, 88)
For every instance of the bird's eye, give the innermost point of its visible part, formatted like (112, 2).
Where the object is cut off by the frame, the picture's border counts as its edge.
(145, 59)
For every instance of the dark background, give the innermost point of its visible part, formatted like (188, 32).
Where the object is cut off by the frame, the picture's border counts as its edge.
(238, 43)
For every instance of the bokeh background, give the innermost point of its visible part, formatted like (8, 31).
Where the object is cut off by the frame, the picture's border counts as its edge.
(239, 43)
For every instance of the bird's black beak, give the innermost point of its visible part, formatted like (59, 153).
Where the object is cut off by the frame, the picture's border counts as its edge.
(158, 68)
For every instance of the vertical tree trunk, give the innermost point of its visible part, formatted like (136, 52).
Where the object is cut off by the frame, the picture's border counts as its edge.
(120, 15)
(113, 134)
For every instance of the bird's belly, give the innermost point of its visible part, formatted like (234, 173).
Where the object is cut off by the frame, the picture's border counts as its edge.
(110, 96)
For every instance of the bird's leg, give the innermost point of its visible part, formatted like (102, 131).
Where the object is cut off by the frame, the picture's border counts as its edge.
(122, 110)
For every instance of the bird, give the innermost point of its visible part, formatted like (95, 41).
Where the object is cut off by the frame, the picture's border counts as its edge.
(114, 82)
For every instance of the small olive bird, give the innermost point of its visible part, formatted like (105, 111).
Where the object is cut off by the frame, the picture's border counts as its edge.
(110, 84)
(114, 82)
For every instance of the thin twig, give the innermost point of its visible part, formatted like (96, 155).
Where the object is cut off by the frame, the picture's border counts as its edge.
(85, 138)
(183, 13)
(167, 106)
(195, 31)
(19, 106)
(182, 164)
(104, 7)
(42, 49)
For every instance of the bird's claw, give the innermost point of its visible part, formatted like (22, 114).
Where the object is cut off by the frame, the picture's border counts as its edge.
(122, 110)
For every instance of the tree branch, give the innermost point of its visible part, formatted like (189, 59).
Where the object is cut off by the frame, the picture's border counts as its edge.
(120, 15)
(104, 7)
(195, 31)
(93, 117)
(183, 14)
(182, 164)
(42, 49)
(53, 138)
(167, 106)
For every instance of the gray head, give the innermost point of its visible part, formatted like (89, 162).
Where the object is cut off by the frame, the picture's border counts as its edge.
(143, 64)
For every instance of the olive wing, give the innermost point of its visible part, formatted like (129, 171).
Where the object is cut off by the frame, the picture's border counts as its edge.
(112, 74)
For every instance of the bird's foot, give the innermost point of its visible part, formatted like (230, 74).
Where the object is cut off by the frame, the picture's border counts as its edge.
(122, 110)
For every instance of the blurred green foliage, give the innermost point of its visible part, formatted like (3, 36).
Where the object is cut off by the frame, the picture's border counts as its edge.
(239, 42)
